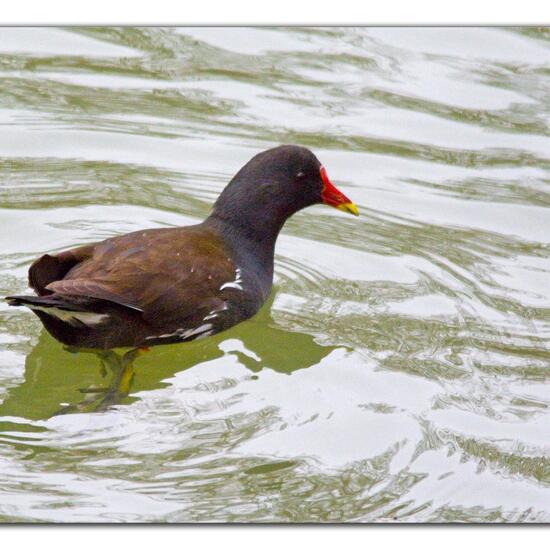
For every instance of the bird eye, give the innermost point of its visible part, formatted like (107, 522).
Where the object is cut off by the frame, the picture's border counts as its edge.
(300, 175)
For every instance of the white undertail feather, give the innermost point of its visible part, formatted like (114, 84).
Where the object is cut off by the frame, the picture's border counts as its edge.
(73, 317)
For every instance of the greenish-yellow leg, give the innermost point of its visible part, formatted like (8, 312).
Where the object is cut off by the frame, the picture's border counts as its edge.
(122, 369)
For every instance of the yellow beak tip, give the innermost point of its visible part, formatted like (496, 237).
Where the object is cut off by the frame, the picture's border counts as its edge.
(348, 207)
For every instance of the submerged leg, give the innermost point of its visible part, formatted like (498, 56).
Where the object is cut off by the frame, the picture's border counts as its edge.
(123, 375)
(105, 356)
(122, 369)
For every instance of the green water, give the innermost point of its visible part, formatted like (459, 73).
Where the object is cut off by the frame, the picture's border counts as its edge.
(401, 371)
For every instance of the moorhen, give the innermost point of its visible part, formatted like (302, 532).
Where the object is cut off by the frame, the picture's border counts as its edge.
(161, 286)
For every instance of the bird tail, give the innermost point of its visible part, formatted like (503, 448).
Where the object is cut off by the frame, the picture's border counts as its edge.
(59, 308)
(40, 301)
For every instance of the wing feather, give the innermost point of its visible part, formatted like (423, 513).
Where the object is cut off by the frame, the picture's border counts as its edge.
(49, 268)
(166, 274)
(90, 289)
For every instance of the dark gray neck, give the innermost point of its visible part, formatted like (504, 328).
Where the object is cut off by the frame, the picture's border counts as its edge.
(250, 213)
(253, 248)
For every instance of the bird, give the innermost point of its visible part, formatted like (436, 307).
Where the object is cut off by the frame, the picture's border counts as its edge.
(171, 285)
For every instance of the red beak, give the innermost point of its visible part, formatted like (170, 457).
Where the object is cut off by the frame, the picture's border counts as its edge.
(331, 196)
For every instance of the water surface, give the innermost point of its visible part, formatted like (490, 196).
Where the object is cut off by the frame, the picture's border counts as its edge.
(401, 369)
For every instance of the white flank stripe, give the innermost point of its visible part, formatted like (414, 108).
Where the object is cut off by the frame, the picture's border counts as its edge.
(236, 283)
(231, 285)
(215, 312)
(202, 331)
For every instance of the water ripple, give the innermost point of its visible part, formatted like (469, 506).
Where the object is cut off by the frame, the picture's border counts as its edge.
(402, 361)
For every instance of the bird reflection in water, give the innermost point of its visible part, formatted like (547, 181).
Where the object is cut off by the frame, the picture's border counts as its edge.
(56, 381)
